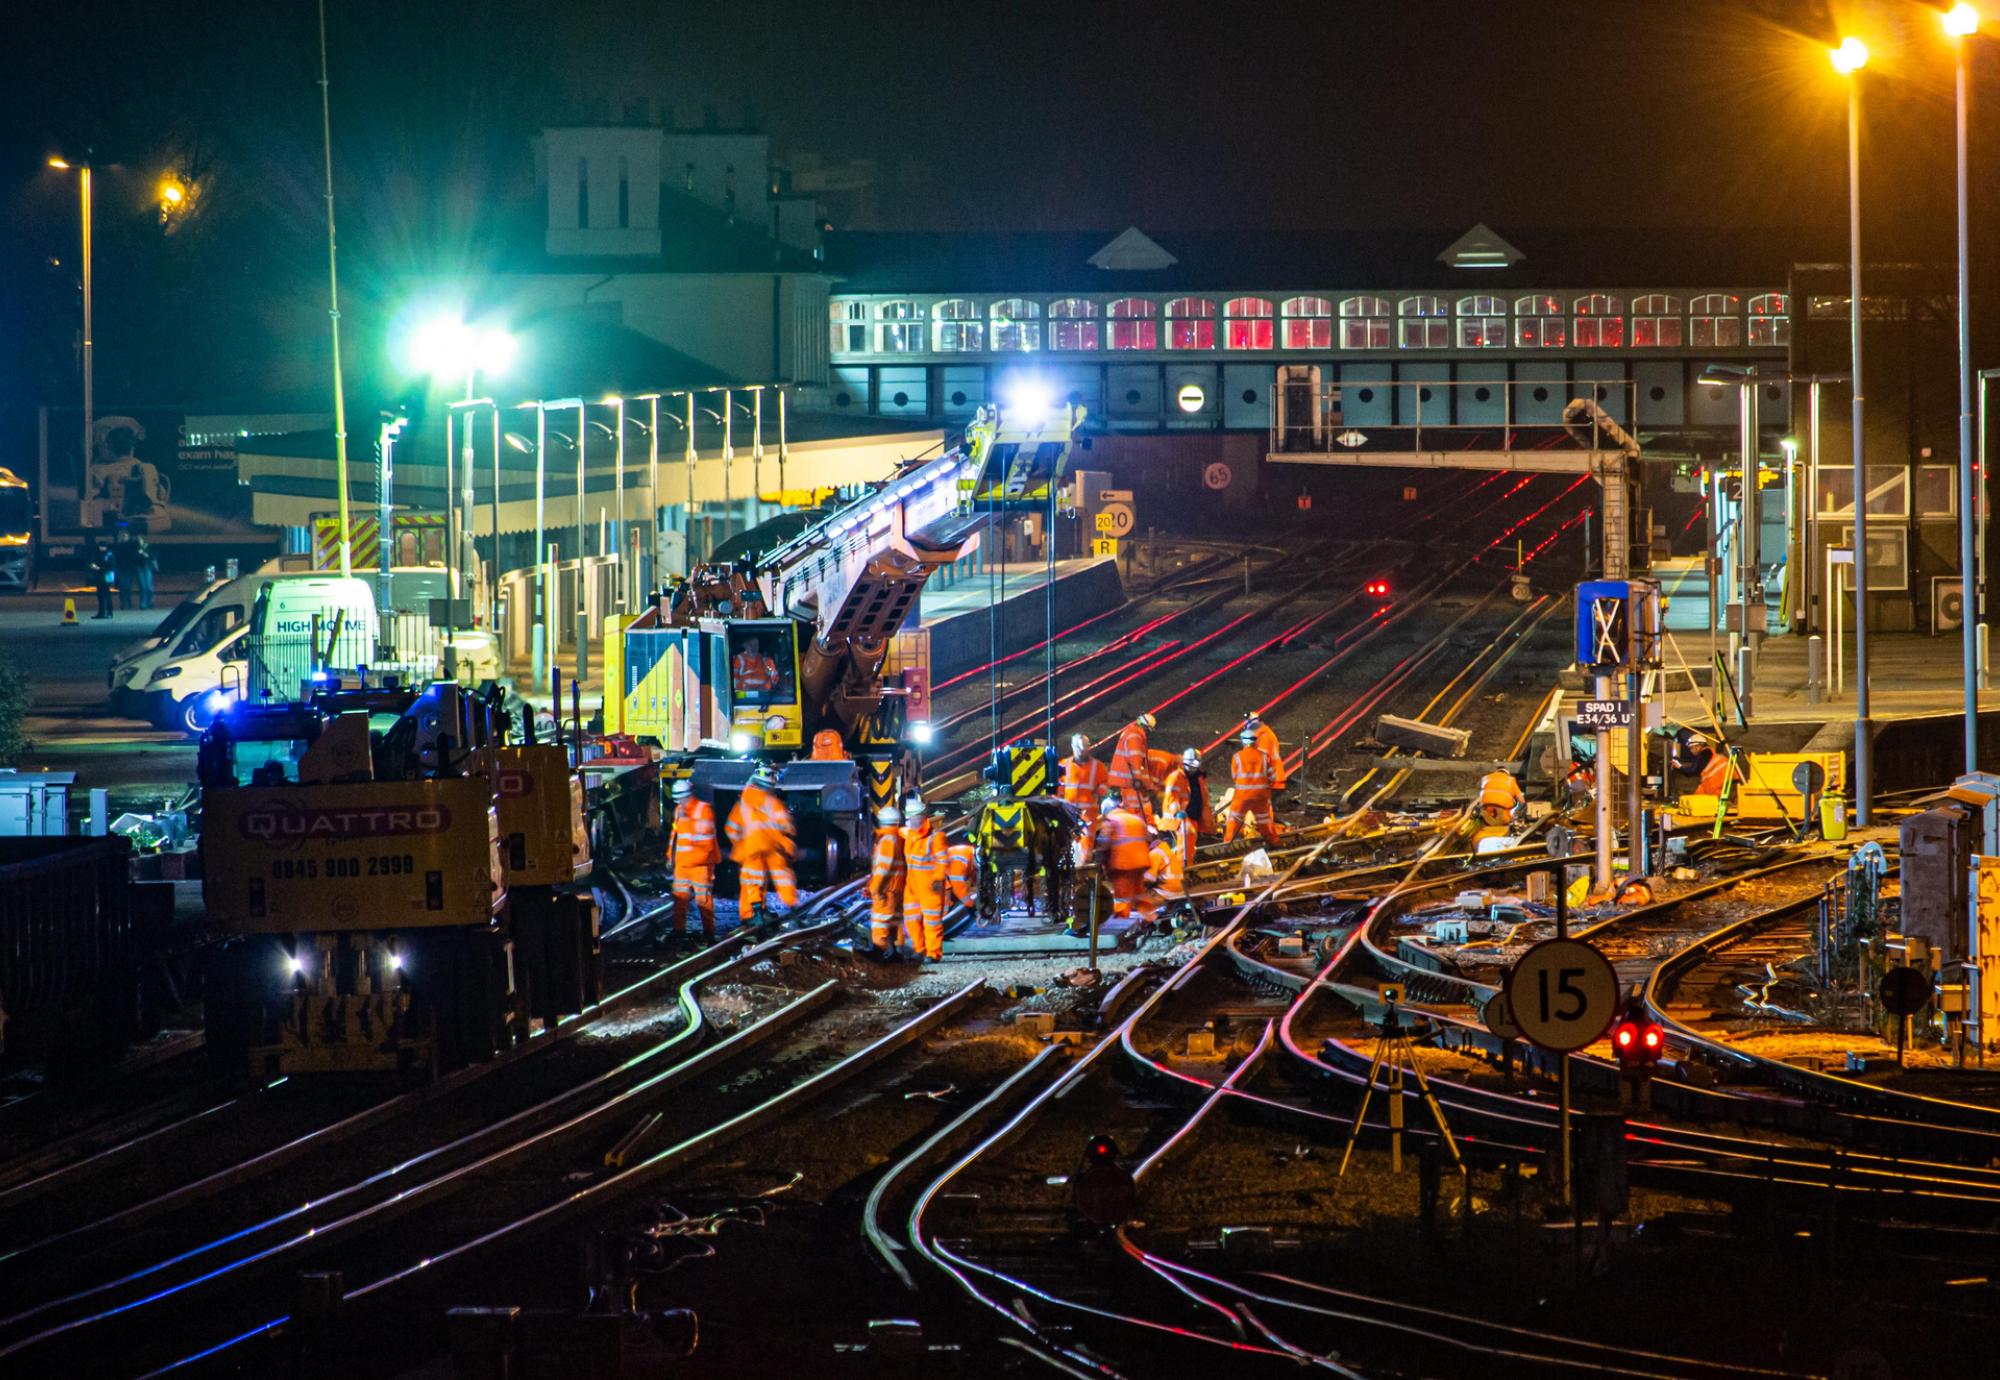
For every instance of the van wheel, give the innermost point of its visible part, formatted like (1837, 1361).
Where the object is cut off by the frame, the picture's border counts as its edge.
(191, 718)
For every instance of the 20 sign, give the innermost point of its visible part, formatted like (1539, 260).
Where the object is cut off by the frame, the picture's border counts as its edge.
(1563, 994)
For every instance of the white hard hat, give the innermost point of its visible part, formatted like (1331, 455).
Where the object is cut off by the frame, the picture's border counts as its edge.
(683, 788)
(888, 818)
(1248, 736)
(1078, 744)
(913, 807)
(1191, 758)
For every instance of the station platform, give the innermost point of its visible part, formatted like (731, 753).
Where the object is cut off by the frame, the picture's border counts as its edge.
(960, 615)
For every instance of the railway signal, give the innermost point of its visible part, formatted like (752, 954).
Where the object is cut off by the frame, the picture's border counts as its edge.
(1638, 1041)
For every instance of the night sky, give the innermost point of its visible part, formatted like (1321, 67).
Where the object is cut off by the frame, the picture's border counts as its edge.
(1420, 113)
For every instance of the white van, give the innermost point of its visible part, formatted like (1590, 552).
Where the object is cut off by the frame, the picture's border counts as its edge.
(132, 666)
(299, 625)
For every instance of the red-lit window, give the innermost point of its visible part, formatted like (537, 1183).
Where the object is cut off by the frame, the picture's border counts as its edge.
(1656, 321)
(1246, 323)
(1770, 319)
(1539, 323)
(1190, 324)
(1714, 320)
(1600, 321)
(1364, 323)
(959, 326)
(1131, 324)
(1017, 324)
(1308, 323)
(1073, 324)
(1482, 323)
(1422, 324)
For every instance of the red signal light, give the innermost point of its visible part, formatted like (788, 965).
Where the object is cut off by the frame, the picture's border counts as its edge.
(1636, 1039)
(1377, 588)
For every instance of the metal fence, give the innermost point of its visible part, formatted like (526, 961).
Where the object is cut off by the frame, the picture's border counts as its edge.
(281, 666)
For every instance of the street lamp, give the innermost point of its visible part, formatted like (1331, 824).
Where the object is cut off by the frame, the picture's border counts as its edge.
(82, 171)
(445, 347)
(1848, 60)
(1960, 23)
(385, 459)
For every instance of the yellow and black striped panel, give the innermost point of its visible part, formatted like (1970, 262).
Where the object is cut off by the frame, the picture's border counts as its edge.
(878, 778)
(1003, 826)
(1029, 771)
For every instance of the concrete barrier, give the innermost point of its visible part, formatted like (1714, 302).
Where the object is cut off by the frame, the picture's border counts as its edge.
(963, 640)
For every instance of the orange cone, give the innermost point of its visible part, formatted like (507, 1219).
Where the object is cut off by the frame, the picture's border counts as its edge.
(69, 614)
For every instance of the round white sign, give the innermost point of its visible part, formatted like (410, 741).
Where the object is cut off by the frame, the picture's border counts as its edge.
(1563, 994)
(1191, 397)
(1216, 476)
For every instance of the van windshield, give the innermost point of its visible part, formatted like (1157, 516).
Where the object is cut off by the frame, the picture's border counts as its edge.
(209, 629)
(179, 617)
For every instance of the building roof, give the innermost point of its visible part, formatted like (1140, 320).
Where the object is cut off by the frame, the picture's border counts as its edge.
(694, 238)
(1278, 260)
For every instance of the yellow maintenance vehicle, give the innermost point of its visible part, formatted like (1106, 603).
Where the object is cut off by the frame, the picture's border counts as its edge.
(389, 883)
(810, 660)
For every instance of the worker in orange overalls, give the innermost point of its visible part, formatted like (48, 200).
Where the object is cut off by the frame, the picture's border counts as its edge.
(1131, 774)
(924, 881)
(696, 855)
(1120, 849)
(1083, 781)
(1184, 796)
(1250, 775)
(1167, 873)
(762, 842)
(828, 747)
(1267, 739)
(751, 672)
(885, 884)
(961, 873)
(1499, 797)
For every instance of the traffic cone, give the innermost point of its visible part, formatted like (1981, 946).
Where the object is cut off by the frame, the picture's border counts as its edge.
(69, 614)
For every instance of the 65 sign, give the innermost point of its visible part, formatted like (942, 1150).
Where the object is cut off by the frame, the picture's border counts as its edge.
(1563, 994)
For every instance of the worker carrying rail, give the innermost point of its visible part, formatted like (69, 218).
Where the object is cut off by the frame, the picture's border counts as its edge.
(1131, 771)
(1267, 739)
(1120, 849)
(925, 862)
(1251, 775)
(1084, 779)
(762, 842)
(696, 855)
(885, 886)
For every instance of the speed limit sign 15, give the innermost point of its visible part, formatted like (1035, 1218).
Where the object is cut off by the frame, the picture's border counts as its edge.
(1563, 994)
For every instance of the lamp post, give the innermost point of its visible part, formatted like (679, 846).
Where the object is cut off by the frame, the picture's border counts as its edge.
(1961, 22)
(385, 460)
(1848, 59)
(82, 171)
(653, 487)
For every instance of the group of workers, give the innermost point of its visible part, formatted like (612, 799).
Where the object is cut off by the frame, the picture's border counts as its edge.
(914, 875)
(1143, 813)
(762, 844)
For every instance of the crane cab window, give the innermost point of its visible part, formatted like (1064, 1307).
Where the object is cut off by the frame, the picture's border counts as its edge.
(761, 670)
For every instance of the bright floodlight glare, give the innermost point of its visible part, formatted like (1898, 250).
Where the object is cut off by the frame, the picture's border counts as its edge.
(171, 193)
(741, 743)
(1850, 57)
(920, 732)
(296, 965)
(496, 351)
(442, 345)
(1960, 21)
(1030, 399)
(59, 163)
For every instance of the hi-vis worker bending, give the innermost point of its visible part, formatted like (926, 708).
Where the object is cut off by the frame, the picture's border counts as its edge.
(762, 842)
(961, 869)
(1131, 769)
(1251, 775)
(1499, 796)
(924, 864)
(1168, 876)
(1121, 849)
(696, 855)
(1083, 783)
(885, 888)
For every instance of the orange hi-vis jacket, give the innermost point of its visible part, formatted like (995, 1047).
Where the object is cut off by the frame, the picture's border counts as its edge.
(753, 671)
(1267, 739)
(1169, 870)
(1130, 771)
(1121, 841)
(827, 746)
(1714, 774)
(961, 862)
(924, 860)
(1250, 771)
(885, 878)
(760, 825)
(1499, 790)
(1083, 781)
(696, 851)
